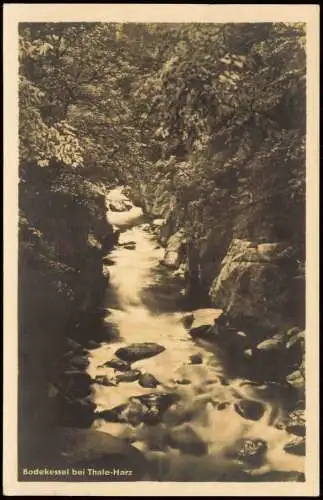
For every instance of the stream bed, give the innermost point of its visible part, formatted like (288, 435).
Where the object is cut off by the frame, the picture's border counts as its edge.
(179, 407)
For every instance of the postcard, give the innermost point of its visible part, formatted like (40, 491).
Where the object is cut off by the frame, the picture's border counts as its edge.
(161, 215)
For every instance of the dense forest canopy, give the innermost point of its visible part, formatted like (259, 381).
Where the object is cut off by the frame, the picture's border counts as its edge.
(215, 111)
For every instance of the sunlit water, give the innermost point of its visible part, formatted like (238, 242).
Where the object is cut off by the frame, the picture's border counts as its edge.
(134, 272)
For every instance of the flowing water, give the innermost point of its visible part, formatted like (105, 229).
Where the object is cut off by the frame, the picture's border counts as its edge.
(142, 298)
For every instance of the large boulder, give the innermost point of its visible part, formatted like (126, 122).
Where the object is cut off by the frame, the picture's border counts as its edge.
(148, 408)
(148, 380)
(210, 324)
(254, 285)
(252, 451)
(201, 323)
(134, 352)
(129, 376)
(251, 410)
(118, 364)
(133, 412)
(201, 318)
(156, 403)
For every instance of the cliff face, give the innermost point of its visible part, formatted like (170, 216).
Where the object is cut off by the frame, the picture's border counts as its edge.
(248, 263)
(62, 238)
(244, 264)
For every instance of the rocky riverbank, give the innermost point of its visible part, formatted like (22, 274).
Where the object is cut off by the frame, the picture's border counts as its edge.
(258, 283)
(185, 388)
(63, 236)
(97, 378)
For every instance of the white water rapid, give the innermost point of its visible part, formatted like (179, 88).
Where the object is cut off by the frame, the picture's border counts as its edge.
(135, 291)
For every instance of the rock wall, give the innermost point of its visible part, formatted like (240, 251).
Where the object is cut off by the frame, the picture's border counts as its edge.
(259, 281)
(62, 240)
(255, 285)
(242, 263)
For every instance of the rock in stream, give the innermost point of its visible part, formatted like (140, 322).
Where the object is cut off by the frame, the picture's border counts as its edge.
(117, 364)
(148, 380)
(104, 380)
(296, 446)
(252, 451)
(137, 351)
(129, 376)
(251, 410)
(148, 408)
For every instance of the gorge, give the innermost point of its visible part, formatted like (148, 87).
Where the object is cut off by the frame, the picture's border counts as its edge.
(221, 419)
(162, 251)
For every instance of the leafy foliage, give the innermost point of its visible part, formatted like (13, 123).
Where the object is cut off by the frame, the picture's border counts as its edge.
(216, 111)
(229, 109)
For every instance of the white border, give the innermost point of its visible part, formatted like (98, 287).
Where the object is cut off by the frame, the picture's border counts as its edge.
(14, 13)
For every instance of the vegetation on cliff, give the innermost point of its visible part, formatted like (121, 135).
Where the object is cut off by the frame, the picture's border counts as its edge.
(228, 121)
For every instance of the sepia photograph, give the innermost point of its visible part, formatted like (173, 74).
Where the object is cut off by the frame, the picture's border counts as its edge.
(162, 251)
